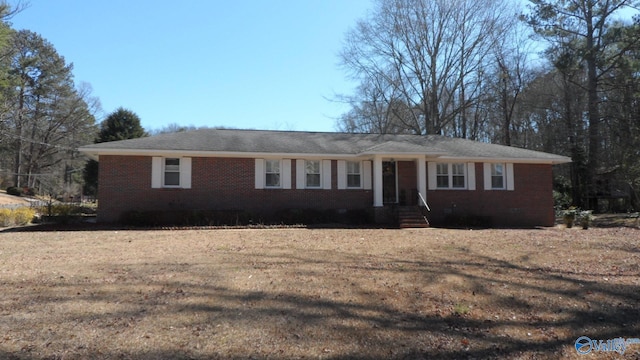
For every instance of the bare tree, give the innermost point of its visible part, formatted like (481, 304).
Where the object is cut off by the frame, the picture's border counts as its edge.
(427, 53)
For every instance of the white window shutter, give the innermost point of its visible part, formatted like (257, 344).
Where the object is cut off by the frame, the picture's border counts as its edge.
(342, 174)
(260, 174)
(471, 176)
(300, 174)
(366, 173)
(510, 179)
(432, 170)
(156, 172)
(185, 173)
(326, 174)
(487, 176)
(285, 174)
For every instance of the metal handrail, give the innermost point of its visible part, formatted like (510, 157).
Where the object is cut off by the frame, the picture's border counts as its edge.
(424, 201)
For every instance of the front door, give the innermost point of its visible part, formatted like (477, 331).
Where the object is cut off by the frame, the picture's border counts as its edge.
(389, 183)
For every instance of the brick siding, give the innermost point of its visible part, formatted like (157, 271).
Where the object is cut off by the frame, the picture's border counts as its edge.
(228, 184)
(530, 204)
(217, 184)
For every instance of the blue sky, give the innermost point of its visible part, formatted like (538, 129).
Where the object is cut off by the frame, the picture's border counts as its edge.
(262, 64)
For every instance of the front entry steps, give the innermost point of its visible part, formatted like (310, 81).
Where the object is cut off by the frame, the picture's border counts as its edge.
(411, 217)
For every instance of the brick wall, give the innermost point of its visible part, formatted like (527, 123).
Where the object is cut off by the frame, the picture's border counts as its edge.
(530, 204)
(217, 184)
(228, 184)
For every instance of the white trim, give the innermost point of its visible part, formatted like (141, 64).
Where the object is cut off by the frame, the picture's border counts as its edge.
(342, 174)
(561, 160)
(510, 177)
(366, 171)
(377, 182)
(325, 174)
(156, 172)
(471, 176)
(285, 174)
(185, 173)
(96, 152)
(487, 176)
(432, 175)
(259, 174)
(300, 174)
(421, 170)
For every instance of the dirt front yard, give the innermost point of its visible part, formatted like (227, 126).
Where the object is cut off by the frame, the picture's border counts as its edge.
(333, 294)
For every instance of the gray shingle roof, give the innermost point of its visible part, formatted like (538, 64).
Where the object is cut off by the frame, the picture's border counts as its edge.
(318, 143)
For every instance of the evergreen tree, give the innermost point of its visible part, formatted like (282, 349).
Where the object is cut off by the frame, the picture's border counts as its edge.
(121, 124)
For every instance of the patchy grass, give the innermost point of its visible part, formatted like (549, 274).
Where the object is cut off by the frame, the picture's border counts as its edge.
(298, 293)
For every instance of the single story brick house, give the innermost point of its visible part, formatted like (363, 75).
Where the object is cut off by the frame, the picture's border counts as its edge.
(264, 172)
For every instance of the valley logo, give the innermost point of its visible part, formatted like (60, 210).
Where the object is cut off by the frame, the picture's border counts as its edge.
(584, 345)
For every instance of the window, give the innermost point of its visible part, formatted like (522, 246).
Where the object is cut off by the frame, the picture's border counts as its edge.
(451, 176)
(353, 174)
(312, 173)
(442, 175)
(174, 173)
(457, 176)
(272, 171)
(171, 172)
(497, 176)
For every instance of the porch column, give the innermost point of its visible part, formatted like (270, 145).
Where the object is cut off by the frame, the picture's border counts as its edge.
(421, 170)
(377, 181)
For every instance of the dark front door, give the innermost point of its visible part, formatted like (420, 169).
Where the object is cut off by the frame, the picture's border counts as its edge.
(389, 183)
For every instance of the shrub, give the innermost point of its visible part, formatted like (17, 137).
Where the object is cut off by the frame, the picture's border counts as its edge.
(14, 191)
(6, 218)
(23, 216)
(60, 210)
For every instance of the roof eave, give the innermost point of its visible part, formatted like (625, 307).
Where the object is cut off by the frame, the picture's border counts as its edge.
(516, 160)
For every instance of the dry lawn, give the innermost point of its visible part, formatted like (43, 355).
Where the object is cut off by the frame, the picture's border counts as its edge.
(333, 294)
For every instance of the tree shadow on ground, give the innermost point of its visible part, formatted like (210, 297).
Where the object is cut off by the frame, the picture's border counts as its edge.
(300, 305)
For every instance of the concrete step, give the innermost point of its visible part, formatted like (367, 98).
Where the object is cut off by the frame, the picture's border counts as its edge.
(411, 217)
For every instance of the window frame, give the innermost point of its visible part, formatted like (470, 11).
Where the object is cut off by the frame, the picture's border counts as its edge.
(307, 173)
(502, 176)
(267, 173)
(165, 170)
(450, 175)
(359, 174)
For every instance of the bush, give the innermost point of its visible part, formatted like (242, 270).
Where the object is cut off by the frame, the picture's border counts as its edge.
(20, 216)
(5, 218)
(14, 191)
(23, 216)
(61, 210)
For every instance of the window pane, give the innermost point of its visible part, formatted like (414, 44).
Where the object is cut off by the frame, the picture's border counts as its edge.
(353, 167)
(458, 182)
(313, 180)
(442, 169)
(353, 180)
(273, 166)
(172, 178)
(457, 169)
(313, 167)
(273, 180)
(497, 170)
(442, 181)
(497, 182)
(172, 164)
